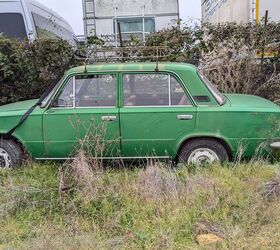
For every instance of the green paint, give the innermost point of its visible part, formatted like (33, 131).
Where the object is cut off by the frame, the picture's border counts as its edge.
(145, 131)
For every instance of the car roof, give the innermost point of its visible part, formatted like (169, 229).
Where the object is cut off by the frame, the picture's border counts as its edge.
(146, 66)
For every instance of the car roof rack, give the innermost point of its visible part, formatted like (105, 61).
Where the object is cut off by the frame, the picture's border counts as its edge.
(96, 55)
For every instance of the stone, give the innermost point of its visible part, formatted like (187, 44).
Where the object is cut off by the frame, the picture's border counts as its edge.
(207, 239)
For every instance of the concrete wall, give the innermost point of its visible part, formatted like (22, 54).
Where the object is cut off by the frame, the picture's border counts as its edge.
(164, 12)
(106, 8)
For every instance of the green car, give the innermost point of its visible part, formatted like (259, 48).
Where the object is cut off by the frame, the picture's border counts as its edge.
(142, 110)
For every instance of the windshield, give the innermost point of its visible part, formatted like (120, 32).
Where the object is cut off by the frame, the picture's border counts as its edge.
(12, 25)
(220, 98)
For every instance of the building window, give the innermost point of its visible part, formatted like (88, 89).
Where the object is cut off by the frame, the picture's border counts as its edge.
(140, 26)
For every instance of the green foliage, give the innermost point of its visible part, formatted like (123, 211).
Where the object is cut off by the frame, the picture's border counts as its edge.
(231, 55)
(181, 41)
(94, 40)
(26, 69)
(190, 42)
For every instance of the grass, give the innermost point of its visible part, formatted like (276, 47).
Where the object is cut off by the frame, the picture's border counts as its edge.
(56, 207)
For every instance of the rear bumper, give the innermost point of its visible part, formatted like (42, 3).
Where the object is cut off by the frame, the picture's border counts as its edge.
(275, 145)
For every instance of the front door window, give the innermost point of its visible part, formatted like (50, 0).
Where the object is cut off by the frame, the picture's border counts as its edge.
(95, 91)
(88, 91)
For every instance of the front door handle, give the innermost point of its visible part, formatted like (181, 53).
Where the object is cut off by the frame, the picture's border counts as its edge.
(109, 118)
(185, 117)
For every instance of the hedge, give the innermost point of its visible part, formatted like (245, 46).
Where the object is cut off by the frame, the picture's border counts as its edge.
(26, 69)
(227, 53)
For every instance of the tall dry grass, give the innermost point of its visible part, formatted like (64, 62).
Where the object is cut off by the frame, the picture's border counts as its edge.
(233, 67)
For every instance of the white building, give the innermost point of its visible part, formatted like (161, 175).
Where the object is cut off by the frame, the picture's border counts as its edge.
(139, 17)
(241, 11)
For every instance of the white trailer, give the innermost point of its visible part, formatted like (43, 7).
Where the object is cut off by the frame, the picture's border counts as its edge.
(240, 11)
(28, 19)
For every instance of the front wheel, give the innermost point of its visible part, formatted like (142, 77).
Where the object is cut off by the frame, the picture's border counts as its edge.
(11, 155)
(200, 152)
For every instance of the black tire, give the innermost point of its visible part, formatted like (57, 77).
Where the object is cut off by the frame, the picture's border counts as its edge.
(212, 145)
(11, 154)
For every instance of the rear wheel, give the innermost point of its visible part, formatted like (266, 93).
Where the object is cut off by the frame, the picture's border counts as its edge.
(11, 155)
(203, 152)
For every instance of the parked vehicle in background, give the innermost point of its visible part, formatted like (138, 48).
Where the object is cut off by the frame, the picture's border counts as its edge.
(239, 11)
(147, 110)
(30, 19)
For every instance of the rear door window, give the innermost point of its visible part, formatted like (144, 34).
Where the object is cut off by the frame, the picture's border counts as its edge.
(12, 25)
(142, 90)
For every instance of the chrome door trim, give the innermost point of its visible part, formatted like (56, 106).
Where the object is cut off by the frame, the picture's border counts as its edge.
(109, 118)
(185, 117)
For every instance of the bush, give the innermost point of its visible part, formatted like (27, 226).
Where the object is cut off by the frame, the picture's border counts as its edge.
(26, 69)
(232, 58)
(230, 55)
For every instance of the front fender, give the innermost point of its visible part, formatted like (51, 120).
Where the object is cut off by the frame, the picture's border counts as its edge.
(29, 134)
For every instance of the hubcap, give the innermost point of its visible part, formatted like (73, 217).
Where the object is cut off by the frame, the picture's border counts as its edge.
(5, 159)
(203, 156)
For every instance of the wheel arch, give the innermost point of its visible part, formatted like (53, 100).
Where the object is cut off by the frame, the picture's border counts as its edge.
(15, 140)
(222, 141)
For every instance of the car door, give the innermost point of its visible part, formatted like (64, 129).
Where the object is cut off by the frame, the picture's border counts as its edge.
(157, 112)
(83, 113)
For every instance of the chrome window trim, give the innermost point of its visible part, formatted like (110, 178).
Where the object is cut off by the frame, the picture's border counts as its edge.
(165, 106)
(74, 92)
(97, 107)
(169, 90)
(101, 107)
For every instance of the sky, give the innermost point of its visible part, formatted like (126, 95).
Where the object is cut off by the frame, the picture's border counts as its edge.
(73, 12)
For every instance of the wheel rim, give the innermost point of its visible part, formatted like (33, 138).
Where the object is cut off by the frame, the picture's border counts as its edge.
(203, 156)
(5, 159)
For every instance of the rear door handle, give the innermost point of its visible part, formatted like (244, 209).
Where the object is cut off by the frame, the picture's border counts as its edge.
(109, 118)
(185, 117)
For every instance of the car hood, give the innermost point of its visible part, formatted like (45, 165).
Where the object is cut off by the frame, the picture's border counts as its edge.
(18, 106)
(250, 101)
